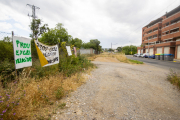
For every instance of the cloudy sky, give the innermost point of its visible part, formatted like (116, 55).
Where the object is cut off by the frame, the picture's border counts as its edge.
(118, 22)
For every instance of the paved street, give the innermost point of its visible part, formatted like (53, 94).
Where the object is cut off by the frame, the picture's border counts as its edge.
(159, 63)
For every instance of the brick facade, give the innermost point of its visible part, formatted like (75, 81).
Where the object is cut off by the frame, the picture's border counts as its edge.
(162, 33)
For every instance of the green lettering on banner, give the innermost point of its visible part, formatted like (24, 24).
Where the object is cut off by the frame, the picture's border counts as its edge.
(22, 60)
(17, 42)
(26, 52)
(21, 44)
(20, 52)
(17, 52)
(29, 59)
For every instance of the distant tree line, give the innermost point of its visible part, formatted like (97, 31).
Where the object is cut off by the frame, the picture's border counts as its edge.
(125, 49)
(58, 35)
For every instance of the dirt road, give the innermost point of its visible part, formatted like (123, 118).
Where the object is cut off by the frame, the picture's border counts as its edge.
(120, 91)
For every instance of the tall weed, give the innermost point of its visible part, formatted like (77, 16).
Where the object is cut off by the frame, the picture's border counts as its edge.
(174, 78)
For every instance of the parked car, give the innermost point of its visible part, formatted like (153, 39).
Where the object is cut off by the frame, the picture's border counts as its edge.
(139, 55)
(152, 56)
(135, 55)
(145, 55)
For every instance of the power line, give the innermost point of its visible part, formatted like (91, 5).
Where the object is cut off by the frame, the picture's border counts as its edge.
(155, 15)
(33, 10)
(151, 18)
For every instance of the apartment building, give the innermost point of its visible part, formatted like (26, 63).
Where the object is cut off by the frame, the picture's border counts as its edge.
(162, 35)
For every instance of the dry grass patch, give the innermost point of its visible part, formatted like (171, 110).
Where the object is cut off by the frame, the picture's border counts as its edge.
(32, 98)
(119, 56)
(174, 78)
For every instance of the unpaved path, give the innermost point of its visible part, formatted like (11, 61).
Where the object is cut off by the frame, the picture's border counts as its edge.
(120, 91)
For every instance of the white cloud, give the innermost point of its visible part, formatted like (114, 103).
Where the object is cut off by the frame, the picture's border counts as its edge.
(4, 26)
(114, 21)
(18, 25)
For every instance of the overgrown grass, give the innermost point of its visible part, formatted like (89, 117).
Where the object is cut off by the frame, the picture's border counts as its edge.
(119, 56)
(36, 93)
(174, 78)
(135, 61)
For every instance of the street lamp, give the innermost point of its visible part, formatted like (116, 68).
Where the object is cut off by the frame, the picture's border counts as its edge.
(131, 47)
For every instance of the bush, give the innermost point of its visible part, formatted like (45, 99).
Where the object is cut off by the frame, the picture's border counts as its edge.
(59, 93)
(71, 64)
(40, 72)
(6, 72)
(174, 78)
(135, 61)
(6, 51)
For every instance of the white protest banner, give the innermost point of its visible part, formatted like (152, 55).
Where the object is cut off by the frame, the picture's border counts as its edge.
(48, 55)
(22, 52)
(68, 50)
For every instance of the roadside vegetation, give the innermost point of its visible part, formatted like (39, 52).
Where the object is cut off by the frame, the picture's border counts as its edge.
(37, 92)
(127, 50)
(174, 78)
(119, 56)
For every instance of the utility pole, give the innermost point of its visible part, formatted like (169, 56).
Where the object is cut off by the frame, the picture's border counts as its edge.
(33, 14)
(111, 46)
(131, 47)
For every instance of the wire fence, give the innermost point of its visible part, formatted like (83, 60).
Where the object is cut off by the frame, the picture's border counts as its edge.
(5, 36)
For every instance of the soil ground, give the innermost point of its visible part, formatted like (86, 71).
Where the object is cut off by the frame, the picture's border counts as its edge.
(121, 91)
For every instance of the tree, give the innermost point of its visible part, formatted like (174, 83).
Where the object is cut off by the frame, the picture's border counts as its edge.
(76, 42)
(57, 35)
(111, 50)
(94, 43)
(119, 49)
(127, 49)
(37, 29)
(7, 39)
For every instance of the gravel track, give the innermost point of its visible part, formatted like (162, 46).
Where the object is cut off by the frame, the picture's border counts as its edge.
(120, 91)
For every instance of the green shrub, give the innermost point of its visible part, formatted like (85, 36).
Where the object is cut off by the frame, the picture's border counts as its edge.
(71, 64)
(62, 105)
(135, 61)
(174, 78)
(59, 93)
(6, 51)
(6, 72)
(40, 72)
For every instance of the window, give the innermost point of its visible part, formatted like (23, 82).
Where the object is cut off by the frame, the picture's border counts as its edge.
(155, 29)
(174, 30)
(149, 37)
(154, 36)
(167, 23)
(166, 32)
(175, 20)
(150, 31)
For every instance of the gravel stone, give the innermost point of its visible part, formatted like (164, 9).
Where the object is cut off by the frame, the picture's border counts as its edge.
(120, 91)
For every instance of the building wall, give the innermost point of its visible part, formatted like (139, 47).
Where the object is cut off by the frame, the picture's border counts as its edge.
(166, 23)
(86, 51)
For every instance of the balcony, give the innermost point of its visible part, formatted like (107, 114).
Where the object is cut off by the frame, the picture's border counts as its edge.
(150, 46)
(171, 18)
(159, 24)
(154, 33)
(172, 43)
(170, 26)
(171, 35)
(152, 40)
